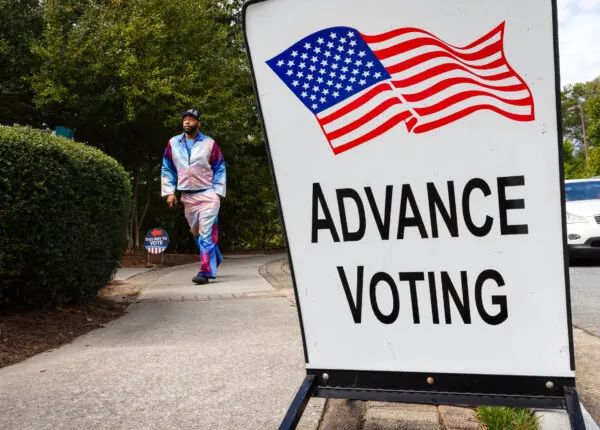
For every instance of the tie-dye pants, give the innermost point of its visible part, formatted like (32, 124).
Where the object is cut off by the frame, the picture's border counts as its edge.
(201, 212)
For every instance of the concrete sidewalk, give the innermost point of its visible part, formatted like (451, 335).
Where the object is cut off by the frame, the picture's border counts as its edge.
(126, 273)
(184, 357)
(551, 420)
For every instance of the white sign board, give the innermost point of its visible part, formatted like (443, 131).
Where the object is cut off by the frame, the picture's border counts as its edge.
(415, 147)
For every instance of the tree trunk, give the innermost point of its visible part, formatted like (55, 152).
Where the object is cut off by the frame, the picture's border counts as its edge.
(143, 215)
(133, 227)
(137, 230)
(129, 242)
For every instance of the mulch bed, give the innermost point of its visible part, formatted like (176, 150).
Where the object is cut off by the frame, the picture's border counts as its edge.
(139, 258)
(25, 333)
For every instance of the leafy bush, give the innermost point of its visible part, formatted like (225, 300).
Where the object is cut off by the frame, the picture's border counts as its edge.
(63, 218)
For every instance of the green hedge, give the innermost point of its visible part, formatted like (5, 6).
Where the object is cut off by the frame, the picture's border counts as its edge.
(63, 218)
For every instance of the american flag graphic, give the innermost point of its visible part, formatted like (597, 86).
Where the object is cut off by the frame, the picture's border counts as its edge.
(156, 249)
(358, 86)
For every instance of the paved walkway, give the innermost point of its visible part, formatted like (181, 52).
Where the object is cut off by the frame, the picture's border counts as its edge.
(126, 273)
(184, 357)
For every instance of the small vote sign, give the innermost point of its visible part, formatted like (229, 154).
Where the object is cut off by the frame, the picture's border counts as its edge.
(156, 241)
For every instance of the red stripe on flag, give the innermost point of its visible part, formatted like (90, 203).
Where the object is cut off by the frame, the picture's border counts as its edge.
(364, 119)
(390, 35)
(399, 32)
(355, 104)
(457, 98)
(373, 133)
(410, 45)
(428, 126)
(447, 83)
(420, 59)
(520, 79)
(443, 68)
(411, 123)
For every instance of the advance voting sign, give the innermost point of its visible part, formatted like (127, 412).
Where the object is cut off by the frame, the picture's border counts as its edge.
(416, 152)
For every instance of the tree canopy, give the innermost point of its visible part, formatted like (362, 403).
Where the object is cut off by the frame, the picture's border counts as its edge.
(118, 72)
(20, 27)
(586, 95)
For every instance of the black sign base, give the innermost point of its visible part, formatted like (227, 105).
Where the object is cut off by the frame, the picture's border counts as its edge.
(574, 409)
(323, 384)
(294, 413)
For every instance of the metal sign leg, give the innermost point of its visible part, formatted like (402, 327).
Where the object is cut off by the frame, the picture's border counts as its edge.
(574, 409)
(294, 413)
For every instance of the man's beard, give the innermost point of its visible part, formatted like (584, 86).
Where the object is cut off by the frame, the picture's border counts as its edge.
(190, 129)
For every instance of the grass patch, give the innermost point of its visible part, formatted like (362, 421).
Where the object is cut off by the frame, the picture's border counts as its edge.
(503, 418)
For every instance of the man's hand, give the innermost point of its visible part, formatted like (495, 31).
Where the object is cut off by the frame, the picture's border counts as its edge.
(172, 200)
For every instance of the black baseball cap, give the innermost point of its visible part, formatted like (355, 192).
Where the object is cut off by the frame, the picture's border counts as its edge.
(191, 112)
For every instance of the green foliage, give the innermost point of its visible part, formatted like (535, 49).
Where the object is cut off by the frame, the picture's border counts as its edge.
(251, 218)
(122, 74)
(119, 71)
(503, 418)
(20, 26)
(574, 163)
(592, 109)
(63, 218)
(581, 100)
(588, 96)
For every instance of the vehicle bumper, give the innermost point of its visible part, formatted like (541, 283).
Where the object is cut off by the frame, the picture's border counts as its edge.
(584, 239)
(591, 248)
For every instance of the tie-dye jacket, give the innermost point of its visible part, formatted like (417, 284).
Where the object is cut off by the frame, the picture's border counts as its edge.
(201, 169)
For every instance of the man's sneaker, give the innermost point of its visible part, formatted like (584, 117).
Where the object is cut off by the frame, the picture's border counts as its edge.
(200, 280)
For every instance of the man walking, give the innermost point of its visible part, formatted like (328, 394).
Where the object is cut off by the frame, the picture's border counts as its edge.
(193, 164)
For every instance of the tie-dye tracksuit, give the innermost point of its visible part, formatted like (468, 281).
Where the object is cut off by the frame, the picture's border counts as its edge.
(200, 175)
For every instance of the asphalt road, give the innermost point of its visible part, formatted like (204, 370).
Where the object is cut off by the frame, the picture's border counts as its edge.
(585, 297)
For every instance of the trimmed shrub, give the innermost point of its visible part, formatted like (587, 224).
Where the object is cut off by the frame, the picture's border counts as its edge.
(63, 218)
